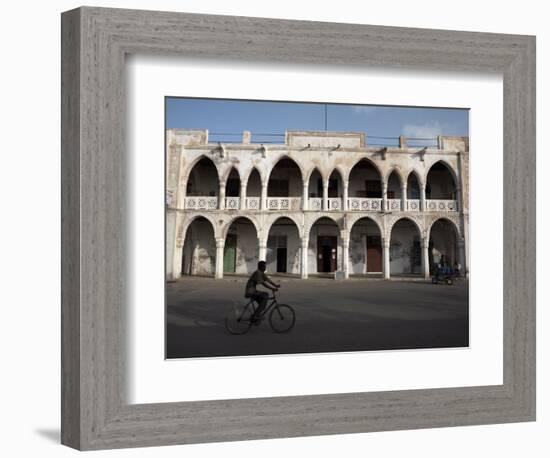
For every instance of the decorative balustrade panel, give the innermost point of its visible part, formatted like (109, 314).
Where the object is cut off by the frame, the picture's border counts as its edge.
(364, 204)
(413, 205)
(201, 203)
(253, 203)
(334, 203)
(394, 205)
(315, 203)
(232, 203)
(284, 203)
(439, 205)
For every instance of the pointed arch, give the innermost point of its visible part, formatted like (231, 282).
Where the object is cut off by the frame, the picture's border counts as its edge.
(203, 177)
(189, 167)
(370, 218)
(198, 250)
(281, 158)
(398, 172)
(287, 181)
(225, 175)
(409, 218)
(228, 223)
(443, 190)
(246, 175)
(452, 222)
(394, 184)
(311, 172)
(405, 246)
(317, 217)
(273, 218)
(365, 179)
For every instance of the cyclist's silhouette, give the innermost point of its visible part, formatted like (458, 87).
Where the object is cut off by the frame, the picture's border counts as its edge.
(259, 277)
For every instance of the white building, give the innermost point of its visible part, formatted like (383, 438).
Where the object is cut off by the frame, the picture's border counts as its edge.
(319, 202)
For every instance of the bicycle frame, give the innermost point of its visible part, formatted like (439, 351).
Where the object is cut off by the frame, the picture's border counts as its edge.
(270, 305)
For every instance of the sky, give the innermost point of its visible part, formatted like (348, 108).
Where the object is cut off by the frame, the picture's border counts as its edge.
(226, 119)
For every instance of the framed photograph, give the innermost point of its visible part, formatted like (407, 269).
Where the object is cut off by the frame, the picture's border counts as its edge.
(276, 228)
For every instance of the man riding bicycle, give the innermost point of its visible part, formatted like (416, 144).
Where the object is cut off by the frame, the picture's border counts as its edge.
(260, 297)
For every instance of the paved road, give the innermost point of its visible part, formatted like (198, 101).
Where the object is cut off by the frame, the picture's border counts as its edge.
(351, 315)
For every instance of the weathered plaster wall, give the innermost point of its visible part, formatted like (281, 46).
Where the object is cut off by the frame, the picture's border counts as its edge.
(358, 245)
(199, 249)
(319, 229)
(293, 248)
(443, 241)
(403, 236)
(170, 241)
(247, 247)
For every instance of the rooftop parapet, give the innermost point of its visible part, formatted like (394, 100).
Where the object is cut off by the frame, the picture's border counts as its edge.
(317, 139)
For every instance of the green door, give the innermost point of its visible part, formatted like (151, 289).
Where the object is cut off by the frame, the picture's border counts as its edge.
(230, 253)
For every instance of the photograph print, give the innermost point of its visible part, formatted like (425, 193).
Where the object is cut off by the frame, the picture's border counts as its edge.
(305, 227)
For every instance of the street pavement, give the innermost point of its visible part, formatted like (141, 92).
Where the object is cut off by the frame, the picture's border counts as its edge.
(331, 315)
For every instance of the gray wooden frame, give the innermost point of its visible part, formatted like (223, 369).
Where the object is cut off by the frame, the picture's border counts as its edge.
(95, 413)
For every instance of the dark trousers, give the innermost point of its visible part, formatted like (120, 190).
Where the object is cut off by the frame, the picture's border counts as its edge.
(261, 298)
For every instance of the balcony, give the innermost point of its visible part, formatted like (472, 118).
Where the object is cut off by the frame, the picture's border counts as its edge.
(438, 205)
(364, 204)
(284, 203)
(355, 204)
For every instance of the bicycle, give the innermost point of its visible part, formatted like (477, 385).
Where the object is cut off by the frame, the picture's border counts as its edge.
(281, 317)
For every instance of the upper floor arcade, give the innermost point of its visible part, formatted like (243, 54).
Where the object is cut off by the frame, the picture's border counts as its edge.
(315, 171)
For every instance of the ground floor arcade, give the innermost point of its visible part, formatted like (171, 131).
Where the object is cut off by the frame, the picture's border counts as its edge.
(322, 248)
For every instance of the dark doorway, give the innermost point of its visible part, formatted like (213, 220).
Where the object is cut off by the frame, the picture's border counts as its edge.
(326, 253)
(374, 253)
(230, 253)
(281, 259)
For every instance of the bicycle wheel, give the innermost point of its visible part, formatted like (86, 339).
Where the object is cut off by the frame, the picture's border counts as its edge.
(282, 318)
(238, 321)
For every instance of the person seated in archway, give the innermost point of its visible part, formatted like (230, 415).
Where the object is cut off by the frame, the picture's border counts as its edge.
(259, 277)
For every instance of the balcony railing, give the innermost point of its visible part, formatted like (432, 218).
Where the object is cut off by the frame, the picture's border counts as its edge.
(364, 204)
(253, 203)
(201, 203)
(393, 205)
(315, 203)
(335, 203)
(360, 204)
(413, 205)
(284, 203)
(439, 205)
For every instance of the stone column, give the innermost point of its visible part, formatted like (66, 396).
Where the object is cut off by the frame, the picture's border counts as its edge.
(345, 196)
(303, 265)
(182, 194)
(459, 200)
(462, 256)
(262, 249)
(423, 197)
(263, 199)
(305, 197)
(425, 243)
(242, 197)
(325, 195)
(177, 244)
(345, 254)
(221, 203)
(220, 244)
(386, 257)
(384, 196)
(404, 197)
